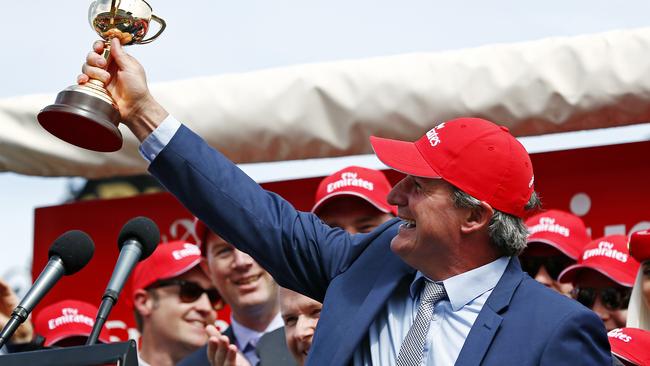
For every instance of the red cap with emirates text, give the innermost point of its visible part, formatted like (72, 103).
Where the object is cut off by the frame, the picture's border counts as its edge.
(562, 230)
(67, 319)
(477, 156)
(368, 184)
(631, 345)
(640, 245)
(607, 255)
(169, 260)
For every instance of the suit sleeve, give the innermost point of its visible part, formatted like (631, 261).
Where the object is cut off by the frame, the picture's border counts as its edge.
(580, 339)
(298, 250)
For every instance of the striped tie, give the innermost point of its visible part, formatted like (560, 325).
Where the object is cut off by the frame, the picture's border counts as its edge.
(410, 354)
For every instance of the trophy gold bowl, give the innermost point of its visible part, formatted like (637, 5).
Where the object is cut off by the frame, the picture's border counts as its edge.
(86, 115)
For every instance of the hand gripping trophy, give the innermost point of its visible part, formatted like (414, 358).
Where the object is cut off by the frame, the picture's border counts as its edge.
(86, 115)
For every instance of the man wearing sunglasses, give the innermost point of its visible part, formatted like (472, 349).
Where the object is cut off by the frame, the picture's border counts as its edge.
(603, 278)
(556, 240)
(173, 302)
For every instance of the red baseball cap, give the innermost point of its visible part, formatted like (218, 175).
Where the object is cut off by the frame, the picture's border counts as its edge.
(639, 245)
(607, 255)
(368, 184)
(169, 260)
(631, 345)
(475, 155)
(67, 319)
(559, 229)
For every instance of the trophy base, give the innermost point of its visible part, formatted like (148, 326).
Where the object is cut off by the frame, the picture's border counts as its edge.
(84, 120)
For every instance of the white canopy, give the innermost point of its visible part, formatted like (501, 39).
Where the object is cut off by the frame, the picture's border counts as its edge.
(330, 109)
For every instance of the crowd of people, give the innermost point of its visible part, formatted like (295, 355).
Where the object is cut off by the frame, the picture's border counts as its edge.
(455, 264)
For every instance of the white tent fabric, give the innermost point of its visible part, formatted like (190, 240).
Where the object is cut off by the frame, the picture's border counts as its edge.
(330, 109)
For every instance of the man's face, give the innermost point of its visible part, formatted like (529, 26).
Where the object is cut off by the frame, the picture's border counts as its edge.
(432, 222)
(177, 324)
(612, 316)
(242, 283)
(544, 263)
(352, 214)
(300, 315)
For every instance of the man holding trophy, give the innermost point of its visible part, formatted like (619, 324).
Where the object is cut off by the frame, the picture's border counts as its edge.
(441, 286)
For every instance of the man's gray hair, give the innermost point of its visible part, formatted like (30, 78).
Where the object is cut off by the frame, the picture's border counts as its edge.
(507, 232)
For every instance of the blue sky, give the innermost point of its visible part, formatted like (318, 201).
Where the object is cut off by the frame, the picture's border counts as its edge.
(45, 42)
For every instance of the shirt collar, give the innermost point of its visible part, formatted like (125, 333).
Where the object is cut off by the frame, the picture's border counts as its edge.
(465, 287)
(246, 335)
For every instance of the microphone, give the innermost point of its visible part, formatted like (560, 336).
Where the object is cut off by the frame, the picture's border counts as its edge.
(69, 253)
(137, 240)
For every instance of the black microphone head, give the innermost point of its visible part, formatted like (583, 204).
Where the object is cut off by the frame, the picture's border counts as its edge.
(75, 248)
(144, 231)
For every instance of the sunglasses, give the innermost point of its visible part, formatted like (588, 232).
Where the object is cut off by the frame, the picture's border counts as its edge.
(613, 298)
(554, 265)
(191, 291)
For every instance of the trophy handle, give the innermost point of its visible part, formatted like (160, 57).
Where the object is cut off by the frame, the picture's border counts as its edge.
(162, 28)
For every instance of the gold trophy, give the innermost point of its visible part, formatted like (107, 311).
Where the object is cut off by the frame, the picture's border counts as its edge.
(86, 115)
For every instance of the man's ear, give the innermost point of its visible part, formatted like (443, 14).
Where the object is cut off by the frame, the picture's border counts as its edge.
(477, 218)
(143, 302)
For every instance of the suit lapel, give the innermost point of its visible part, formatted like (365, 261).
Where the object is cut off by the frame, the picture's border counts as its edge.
(394, 272)
(489, 319)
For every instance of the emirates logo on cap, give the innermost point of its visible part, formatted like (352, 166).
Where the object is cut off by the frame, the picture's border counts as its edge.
(618, 334)
(70, 316)
(605, 249)
(547, 224)
(350, 179)
(432, 135)
(189, 250)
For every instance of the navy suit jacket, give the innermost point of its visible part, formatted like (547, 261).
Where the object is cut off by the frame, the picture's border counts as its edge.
(522, 322)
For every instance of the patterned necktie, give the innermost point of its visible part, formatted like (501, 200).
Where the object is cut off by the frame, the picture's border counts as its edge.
(412, 349)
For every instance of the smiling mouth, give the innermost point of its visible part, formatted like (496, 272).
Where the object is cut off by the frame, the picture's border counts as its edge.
(247, 280)
(408, 224)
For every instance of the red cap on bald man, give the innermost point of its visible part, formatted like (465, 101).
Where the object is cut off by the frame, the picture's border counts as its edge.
(475, 155)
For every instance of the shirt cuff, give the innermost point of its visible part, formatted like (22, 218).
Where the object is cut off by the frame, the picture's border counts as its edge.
(159, 138)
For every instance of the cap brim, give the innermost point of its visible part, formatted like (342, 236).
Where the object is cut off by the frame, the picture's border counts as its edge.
(402, 156)
(569, 274)
(348, 193)
(551, 243)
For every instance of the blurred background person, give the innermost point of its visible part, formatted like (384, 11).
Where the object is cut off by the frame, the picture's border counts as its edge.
(631, 346)
(300, 315)
(638, 315)
(173, 302)
(556, 240)
(354, 199)
(64, 323)
(25, 332)
(68, 323)
(250, 291)
(603, 278)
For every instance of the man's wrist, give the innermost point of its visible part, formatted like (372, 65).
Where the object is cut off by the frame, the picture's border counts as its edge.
(147, 116)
